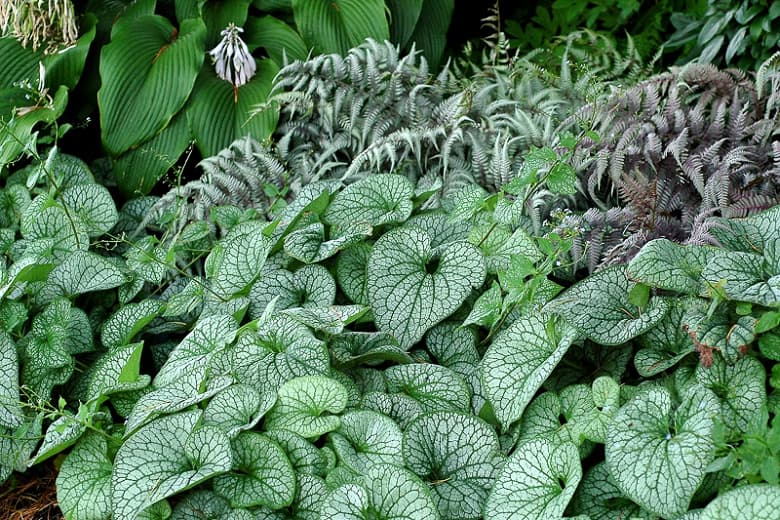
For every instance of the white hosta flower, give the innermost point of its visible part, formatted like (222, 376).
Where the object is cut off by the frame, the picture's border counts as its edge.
(231, 57)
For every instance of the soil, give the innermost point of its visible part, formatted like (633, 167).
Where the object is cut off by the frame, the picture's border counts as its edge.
(31, 495)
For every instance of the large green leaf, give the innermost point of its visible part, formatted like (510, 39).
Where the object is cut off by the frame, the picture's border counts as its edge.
(375, 200)
(430, 33)
(666, 344)
(388, 493)
(536, 483)
(657, 454)
(147, 72)
(519, 360)
(281, 350)
(165, 458)
(309, 244)
(745, 276)
(403, 18)
(84, 480)
(263, 476)
(600, 307)
(458, 455)
(456, 348)
(305, 406)
(138, 169)
(740, 388)
(219, 113)
(757, 502)
(412, 286)
(366, 438)
(339, 25)
(277, 38)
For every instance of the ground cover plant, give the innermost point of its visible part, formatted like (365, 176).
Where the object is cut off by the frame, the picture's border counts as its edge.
(406, 303)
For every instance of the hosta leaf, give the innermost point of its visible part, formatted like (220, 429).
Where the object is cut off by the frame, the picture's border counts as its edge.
(80, 273)
(280, 351)
(599, 306)
(264, 474)
(120, 328)
(165, 458)
(757, 501)
(375, 200)
(117, 371)
(435, 387)
(458, 455)
(430, 33)
(237, 408)
(366, 438)
(93, 204)
(388, 492)
(352, 272)
(84, 480)
(656, 454)
(238, 259)
(599, 497)
(309, 245)
(519, 360)
(219, 113)
(147, 71)
(340, 25)
(664, 264)
(11, 415)
(208, 337)
(498, 244)
(302, 404)
(403, 18)
(176, 396)
(413, 287)
(276, 37)
(536, 482)
(664, 345)
(740, 388)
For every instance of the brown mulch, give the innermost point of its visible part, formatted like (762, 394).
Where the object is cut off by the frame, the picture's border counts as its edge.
(31, 495)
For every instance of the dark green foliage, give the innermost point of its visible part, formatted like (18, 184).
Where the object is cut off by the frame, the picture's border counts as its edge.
(739, 34)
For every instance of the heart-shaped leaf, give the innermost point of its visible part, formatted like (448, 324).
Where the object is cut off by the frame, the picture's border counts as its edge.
(412, 287)
(600, 307)
(366, 438)
(165, 458)
(304, 406)
(264, 474)
(84, 480)
(757, 501)
(519, 360)
(656, 454)
(458, 455)
(375, 200)
(536, 482)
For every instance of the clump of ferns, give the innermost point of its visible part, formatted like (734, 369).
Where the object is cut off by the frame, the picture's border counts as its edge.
(674, 150)
(247, 175)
